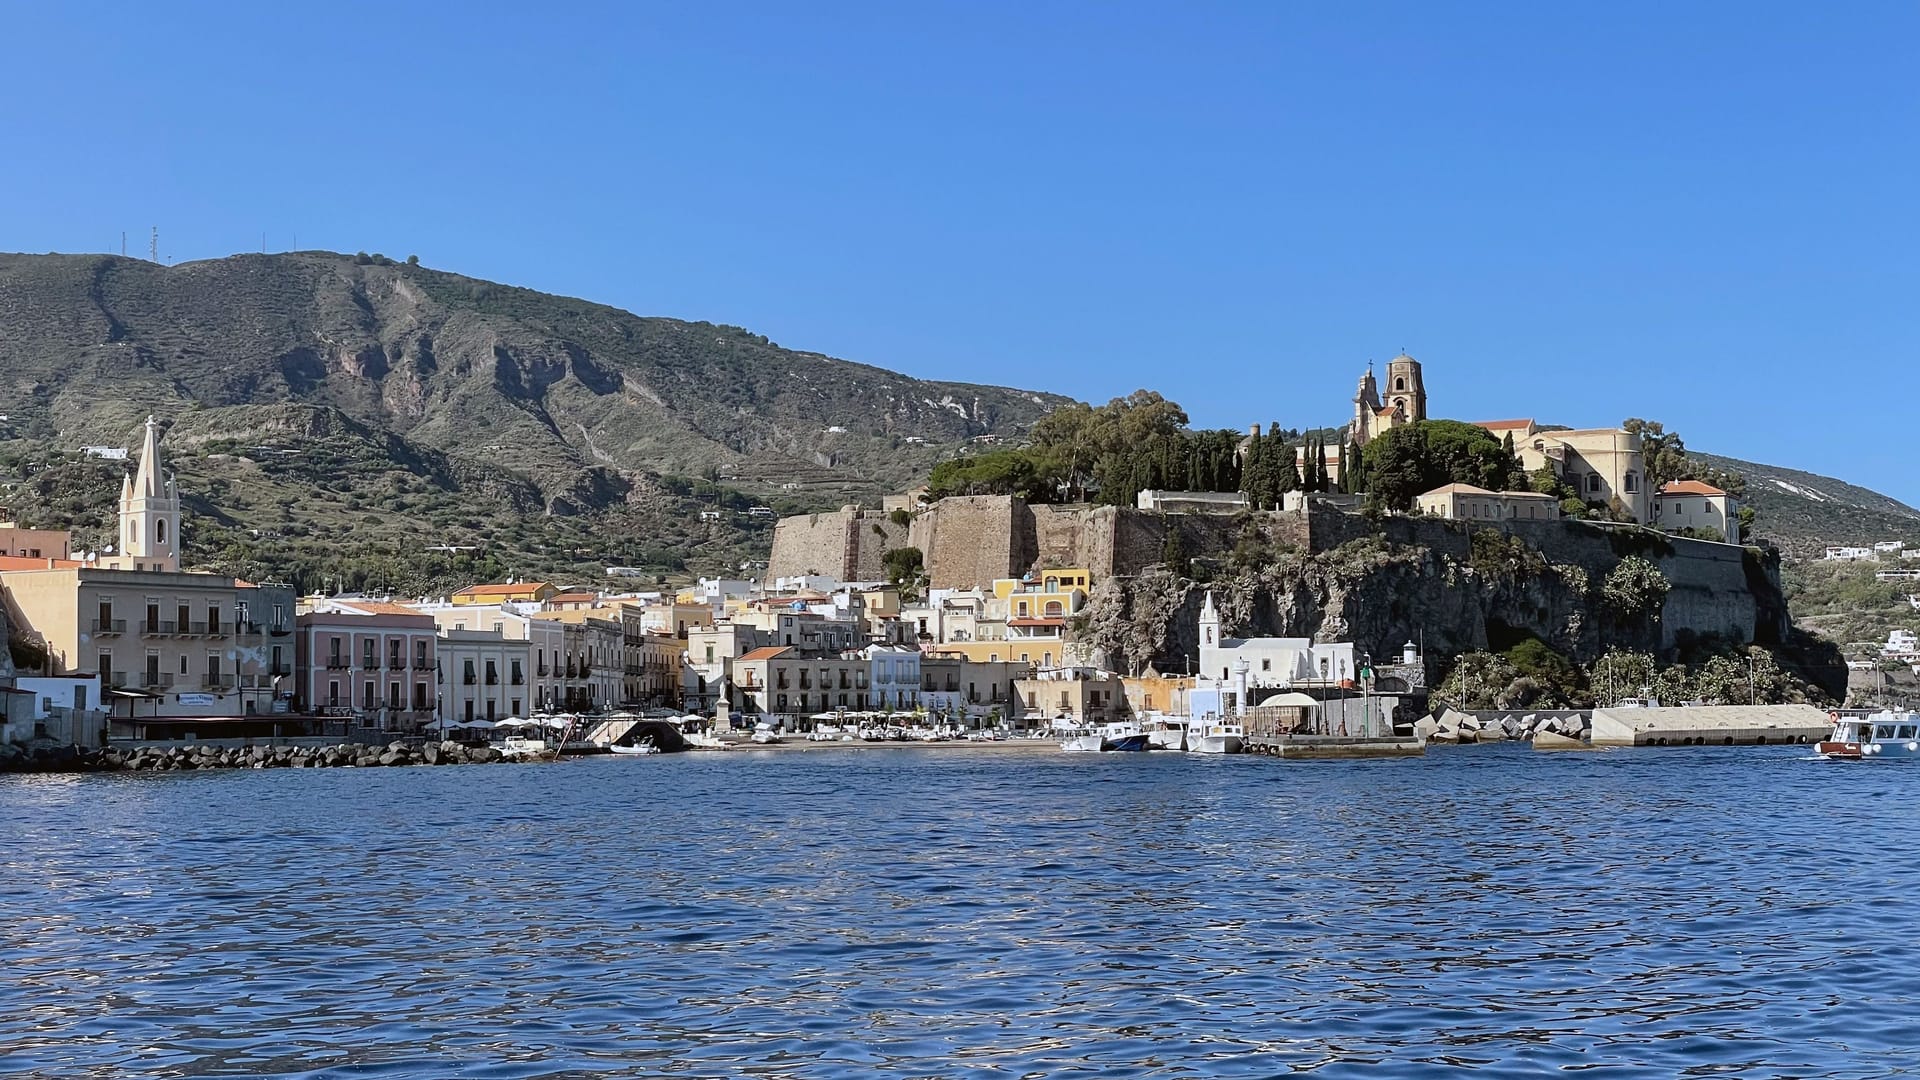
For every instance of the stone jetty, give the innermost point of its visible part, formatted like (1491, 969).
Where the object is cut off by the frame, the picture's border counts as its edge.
(179, 757)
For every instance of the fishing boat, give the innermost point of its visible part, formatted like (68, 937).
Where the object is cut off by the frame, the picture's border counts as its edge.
(1166, 732)
(1124, 735)
(1211, 736)
(1887, 736)
(1083, 742)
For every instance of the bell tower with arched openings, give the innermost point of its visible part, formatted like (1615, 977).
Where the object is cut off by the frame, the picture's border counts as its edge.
(150, 511)
(1403, 389)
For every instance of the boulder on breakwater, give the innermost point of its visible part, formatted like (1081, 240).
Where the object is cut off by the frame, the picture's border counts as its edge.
(1453, 726)
(183, 756)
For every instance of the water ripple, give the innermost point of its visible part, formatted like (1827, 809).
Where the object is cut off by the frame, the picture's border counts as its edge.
(1486, 910)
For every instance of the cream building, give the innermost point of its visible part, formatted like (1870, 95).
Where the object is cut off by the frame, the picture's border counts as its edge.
(1465, 502)
(1602, 464)
(545, 642)
(1691, 504)
(367, 663)
(175, 652)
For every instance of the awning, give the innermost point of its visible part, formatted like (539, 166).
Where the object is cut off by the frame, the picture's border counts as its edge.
(138, 694)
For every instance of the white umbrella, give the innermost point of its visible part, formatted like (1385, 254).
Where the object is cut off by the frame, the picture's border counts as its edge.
(553, 722)
(483, 724)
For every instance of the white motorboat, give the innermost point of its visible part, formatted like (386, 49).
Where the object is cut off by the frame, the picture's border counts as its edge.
(1087, 741)
(1215, 737)
(703, 740)
(766, 737)
(1884, 736)
(1166, 732)
(640, 750)
(520, 746)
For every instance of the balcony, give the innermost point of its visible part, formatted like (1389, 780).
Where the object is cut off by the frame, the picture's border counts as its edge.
(541, 671)
(193, 629)
(280, 629)
(517, 680)
(217, 682)
(468, 679)
(281, 668)
(420, 664)
(394, 663)
(154, 680)
(109, 626)
(156, 628)
(339, 663)
(215, 629)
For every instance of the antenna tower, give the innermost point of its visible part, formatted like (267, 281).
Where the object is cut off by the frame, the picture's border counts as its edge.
(153, 245)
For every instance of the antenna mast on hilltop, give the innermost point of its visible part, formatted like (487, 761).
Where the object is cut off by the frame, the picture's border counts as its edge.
(153, 245)
(123, 243)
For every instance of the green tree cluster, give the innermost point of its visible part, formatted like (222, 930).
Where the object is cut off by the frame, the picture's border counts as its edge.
(1418, 457)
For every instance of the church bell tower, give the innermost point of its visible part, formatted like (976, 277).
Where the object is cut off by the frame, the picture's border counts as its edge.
(1404, 390)
(150, 511)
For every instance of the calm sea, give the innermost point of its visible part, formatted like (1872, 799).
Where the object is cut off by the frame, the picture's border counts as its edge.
(1486, 910)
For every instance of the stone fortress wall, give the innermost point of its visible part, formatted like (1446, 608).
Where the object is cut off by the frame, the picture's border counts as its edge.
(972, 541)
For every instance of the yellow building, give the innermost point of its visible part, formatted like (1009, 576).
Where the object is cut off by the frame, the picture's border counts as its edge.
(526, 592)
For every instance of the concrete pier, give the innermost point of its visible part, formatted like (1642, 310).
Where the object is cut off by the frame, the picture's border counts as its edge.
(1333, 747)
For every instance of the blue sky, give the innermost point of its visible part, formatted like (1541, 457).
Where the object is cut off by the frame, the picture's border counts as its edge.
(1703, 213)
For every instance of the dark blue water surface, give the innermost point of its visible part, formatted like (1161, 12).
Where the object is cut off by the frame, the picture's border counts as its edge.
(955, 913)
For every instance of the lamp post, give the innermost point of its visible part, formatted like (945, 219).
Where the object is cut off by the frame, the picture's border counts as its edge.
(1366, 695)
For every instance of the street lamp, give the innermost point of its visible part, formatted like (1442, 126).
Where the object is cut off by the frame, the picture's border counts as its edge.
(1366, 695)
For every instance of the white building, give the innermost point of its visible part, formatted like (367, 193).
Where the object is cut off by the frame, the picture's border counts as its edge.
(1465, 502)
(1272, 663)
(545, 638)
(1848, 554)
(1690, 504)
(484, 675)
(895, 676)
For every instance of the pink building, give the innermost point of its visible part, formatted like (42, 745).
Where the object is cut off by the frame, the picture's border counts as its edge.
(370, 662)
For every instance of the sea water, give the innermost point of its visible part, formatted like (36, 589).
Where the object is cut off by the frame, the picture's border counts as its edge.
(969, 913)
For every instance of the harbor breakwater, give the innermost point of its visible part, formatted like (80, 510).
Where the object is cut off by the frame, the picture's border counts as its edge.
(186, 757)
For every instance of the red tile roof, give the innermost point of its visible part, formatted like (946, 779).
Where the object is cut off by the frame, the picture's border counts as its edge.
(1502, 425)
(503, 590)
(1689, 487)
(767, 653)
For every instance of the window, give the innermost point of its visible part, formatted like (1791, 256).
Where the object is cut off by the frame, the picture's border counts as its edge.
(367, 700)
(105, 668)
(1266, 664)
(213, 618)
(1399, 382)
(393, 696)
(160, 532)
(1631, 483)
(366, 654)
(393, 652)
(420, 654)
(466, 676)
(278, 662)
(333, 652)
(279, 616)
(333, 694)
(420, 698)
(1593, 482)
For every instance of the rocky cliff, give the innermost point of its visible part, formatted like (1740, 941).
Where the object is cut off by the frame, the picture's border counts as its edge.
(1579, 589)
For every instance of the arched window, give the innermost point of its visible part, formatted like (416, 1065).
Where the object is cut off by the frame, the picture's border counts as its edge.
(1593, 481)
(160, 532)
(1054, 608)
(1400, 382)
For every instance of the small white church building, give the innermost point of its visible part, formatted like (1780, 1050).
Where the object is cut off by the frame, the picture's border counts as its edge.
(1277, 663)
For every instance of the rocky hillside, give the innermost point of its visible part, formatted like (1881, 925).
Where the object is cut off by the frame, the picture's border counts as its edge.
(1802, 513)
(549, 388)
(314, 398)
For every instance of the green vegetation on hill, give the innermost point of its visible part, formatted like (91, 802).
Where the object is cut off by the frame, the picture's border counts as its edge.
(340, 418)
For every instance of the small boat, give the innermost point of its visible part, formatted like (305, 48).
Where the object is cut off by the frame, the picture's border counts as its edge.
(703, 740)
(1085, 742)
(766, 736)
(1167, 733)
(519, 746)
(1124, 735)
(1216, 737)
(639, 749)
(1882, 736)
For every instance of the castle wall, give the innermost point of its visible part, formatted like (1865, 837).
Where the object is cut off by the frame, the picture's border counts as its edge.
(849, 543)
(974, 540)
